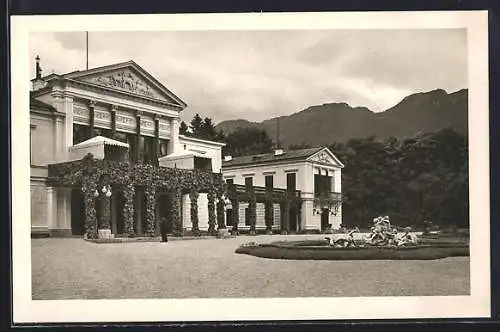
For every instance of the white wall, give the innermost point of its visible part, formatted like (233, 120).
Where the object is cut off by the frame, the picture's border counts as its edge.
(181, 162)
(305, 171)
(211, 151)
(279, 172)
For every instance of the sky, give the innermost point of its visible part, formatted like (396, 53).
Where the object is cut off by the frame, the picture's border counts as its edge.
(257, 75)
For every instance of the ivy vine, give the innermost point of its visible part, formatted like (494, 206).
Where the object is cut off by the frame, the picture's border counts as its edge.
(211, 212)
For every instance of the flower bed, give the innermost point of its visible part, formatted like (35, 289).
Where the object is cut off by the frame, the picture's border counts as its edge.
(318, 250)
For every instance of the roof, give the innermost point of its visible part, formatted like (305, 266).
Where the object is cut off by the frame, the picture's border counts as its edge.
(99, 140)
(185, 137)
(291, 155)
(183, 154)
(37, 104)
(76, 75)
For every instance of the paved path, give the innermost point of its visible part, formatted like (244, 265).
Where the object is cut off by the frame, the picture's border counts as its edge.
(76, 269)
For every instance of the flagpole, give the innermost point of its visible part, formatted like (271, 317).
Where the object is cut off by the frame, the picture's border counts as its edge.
(87, 48)
(278, 132)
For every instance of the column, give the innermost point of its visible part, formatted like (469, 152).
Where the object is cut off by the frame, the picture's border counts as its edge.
(269, 215)
(235, 205)
(105, 209)
(59, 154)
(114, 228)
(67, 138)
(150, 193)
(285, 212)
(90, 211)
(128, 210)
(173, 145)
(113, 120)
(193, 197)
(221, 213)
(211, 213)
(138, 212)
(138, 137)
(299, 216)
(252, 212)
(91, 119)
(51, 208)
(157, 138)
(157, 211)
(176, 213)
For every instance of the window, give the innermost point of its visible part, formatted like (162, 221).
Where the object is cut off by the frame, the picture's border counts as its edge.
(80, 133)
(149, 150)
(229, 181)
(248, 183)
(163, 147)
(269, 181)
(132, 150)
(203, 163)
(291, 181)
(322, 184)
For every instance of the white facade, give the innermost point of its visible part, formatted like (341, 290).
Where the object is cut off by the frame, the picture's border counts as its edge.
(118, 96)
(322, 162)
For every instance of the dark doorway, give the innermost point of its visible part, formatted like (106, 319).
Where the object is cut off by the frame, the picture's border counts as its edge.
(77, 212)
(165, 203)
(325, 219)
(229, 217)
(292, 217)
(118, 204)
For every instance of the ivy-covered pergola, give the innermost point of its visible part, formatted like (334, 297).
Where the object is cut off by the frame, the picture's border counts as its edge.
(97, 178)
(268, 196)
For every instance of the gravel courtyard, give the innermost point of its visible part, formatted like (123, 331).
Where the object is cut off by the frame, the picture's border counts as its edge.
(72, 268)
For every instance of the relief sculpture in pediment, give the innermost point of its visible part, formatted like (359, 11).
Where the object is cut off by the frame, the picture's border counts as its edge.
(323, 157)
(126, 81)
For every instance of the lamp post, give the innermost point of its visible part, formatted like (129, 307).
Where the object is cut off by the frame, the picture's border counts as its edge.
(104, 231)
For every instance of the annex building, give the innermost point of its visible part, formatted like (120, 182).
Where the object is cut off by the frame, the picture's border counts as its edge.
(309, 181)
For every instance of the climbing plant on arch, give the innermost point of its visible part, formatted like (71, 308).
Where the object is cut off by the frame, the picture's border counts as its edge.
(85, 173)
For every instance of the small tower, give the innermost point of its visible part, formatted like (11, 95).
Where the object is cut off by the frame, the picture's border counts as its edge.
(38, 68)
(38, 82)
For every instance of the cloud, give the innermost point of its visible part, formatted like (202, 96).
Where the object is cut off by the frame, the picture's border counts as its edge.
(260, 74)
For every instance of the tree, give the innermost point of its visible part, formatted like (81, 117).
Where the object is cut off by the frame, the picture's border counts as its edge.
(197, 126)
(183, 128)
(208, 130)
(247, 141)
(411, 180)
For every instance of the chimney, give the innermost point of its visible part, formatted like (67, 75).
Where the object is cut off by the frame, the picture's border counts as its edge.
(228, 158)
(279, 152)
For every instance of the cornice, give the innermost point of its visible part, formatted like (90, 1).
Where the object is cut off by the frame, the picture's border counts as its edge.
(112, 92)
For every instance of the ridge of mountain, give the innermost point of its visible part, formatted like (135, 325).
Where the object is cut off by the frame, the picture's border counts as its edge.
(421, 112)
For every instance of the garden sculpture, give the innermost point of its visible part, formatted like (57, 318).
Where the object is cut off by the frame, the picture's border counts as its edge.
(345, 240)
(407, 239)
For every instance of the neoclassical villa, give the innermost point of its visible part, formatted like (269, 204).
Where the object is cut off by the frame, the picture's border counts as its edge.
(308, 180)
(106, 155)
(107, 160)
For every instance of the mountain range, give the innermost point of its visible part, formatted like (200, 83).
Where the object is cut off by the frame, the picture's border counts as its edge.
(423, 112)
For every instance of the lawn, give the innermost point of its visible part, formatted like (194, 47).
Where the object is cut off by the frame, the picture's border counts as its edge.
(75, 269)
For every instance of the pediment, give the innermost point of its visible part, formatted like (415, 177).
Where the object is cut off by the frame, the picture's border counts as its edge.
(325, 156)
(130, 79)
